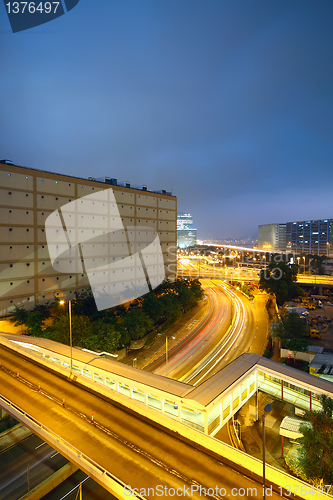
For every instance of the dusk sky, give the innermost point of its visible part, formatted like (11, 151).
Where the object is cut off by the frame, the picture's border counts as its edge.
(228, 103)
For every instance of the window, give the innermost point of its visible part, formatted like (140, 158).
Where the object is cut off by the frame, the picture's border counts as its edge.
(27, 195)
(10, 229)
(27, 230)
(9, 192)
(10, 211)
(10, 265)
(9, 175)
(27, 213)
(42, 196)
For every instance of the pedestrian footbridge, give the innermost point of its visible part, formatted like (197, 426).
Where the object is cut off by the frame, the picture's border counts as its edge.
(176, 409)
(205, 408)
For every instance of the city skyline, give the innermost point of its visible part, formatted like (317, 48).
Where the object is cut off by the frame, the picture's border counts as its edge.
(226, 104)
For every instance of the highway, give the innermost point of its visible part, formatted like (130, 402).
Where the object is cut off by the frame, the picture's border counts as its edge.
(68, 490)
(188, 268)
(201, 340)
(214, 341)
(137, 451)
(248, 333)
(28, 463)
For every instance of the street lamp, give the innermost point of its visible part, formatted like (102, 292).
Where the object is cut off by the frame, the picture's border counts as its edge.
(266, 409)
(304, 264)
(166, 352)
(70, 331)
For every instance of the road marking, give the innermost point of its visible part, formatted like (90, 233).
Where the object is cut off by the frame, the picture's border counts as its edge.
(39, 446)
(55, 454)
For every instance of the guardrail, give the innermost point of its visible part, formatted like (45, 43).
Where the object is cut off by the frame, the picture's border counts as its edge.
(69, 451)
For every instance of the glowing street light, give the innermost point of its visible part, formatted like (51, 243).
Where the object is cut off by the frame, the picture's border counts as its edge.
(70, 331)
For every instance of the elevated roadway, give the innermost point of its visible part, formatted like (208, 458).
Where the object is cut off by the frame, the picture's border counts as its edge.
(128, 449)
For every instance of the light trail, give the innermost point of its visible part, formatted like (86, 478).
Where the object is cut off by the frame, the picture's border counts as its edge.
(238, 316)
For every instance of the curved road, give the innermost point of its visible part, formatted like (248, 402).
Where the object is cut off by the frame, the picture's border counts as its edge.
(232, 325)
(206, 335)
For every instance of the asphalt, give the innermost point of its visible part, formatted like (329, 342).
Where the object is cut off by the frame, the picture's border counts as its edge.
(142, 357)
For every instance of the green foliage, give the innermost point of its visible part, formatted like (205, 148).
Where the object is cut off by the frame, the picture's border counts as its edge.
(171, 307)
(137, 323)
(34, 320)
(247, 289)
(316, 263)
(152, 306)
(316, 453)
(292, 327)
(112, 328)
(280, 279)
(96, 335)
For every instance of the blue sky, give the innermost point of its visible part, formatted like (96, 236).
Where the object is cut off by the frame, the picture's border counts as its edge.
(229, 104)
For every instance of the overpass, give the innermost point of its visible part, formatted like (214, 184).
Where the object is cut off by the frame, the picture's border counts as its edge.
(123, 426)
(250, 274)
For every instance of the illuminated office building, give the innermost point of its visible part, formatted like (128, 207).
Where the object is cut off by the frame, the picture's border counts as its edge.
(186, 234)
(313, 237)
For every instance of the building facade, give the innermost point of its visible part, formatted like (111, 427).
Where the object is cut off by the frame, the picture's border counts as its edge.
(186, 234)
(310, 237)
(28, 197)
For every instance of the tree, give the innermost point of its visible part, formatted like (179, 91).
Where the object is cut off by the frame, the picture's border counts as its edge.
(171, 307)
(294, 327)
(317, 264)
(81, 328)
(152, 307)
(280, 279)
(34, 320)
(137, 324)
(316, 453)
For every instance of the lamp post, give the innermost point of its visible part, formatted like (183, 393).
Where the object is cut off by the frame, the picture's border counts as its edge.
(166, 353)
(266, 409)
(304, 265)
(70, 331)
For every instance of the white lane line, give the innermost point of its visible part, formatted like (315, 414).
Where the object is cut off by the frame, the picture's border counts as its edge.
(55, 454)
(39, 446)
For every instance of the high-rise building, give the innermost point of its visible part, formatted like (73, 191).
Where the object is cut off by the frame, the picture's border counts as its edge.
(186, 234)
(272, 237)
(311, 237)
(28, 197)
